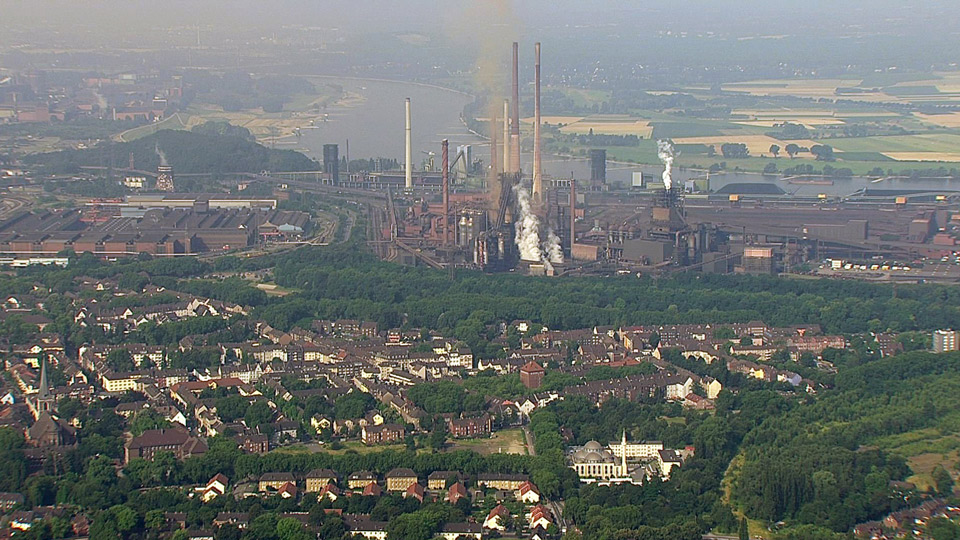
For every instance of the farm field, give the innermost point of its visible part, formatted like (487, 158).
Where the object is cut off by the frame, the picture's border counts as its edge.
(924, 142)
(757, 144)
(609, 125)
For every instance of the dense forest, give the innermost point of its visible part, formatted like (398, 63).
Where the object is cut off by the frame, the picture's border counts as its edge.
(815, 464)
(203, 151)
(345, 282)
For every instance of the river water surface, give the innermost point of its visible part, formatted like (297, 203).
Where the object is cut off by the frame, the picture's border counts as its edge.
(373, 122)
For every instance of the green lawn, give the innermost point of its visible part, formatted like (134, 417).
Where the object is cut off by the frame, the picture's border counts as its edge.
(646, 152)
(585, 98)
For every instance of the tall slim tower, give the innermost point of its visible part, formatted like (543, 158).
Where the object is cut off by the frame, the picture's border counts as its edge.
(408, 170)
(506, 135)
(515, 113)
(445, 172)
(494, 166)
(573, 215)
(537, 180)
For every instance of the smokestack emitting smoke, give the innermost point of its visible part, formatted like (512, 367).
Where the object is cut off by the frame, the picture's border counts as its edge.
(445, 164)
(506, 134)
(515, 113)
(666, 154)
(408, 171)
(537, 180)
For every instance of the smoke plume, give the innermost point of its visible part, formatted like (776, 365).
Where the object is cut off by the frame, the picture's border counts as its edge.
(528, 234)
(666, 154)
(163, 157)
(528, 227)
(553, 248)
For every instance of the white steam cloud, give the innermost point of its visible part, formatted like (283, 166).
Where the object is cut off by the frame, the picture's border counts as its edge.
(666, 154)
(549, 252)
(163, 157)
(552, 247)
(528, 227)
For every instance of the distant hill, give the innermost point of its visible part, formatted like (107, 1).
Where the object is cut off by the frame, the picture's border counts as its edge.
(186, 152)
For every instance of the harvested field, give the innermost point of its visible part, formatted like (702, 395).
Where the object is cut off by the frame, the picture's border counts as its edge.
(757, 144)
(554, 119)
(949, 120)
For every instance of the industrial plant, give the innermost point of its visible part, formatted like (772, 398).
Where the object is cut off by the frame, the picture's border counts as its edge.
(489, 214)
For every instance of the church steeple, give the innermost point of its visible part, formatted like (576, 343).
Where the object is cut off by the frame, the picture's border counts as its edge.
(44, 401)
(44, 383)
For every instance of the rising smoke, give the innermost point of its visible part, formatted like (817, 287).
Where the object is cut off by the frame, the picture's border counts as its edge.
(528, 227)
(552, 247)
(667, 154)
(549, 252)
(163, 157)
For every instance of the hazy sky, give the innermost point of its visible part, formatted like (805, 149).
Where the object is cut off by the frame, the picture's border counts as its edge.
(386, 15)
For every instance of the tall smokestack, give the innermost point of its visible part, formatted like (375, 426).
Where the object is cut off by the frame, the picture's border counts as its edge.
(537, 180)
(515, 114)
(494, 166)
(445, 171)
(408, 176)
(506, 135)
(573, 215)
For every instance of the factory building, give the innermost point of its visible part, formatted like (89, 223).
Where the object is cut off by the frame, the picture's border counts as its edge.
(331, 162)
(598, 167)
(157, 231)
(758, 260)
(647, 252)
(855, 230)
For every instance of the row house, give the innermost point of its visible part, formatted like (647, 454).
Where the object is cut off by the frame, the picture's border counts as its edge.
(152, 441)
(584, 336)
(762, 352)
(502, 481)
(816, 344)
(634, 388)
(470, 427)
(382, 434)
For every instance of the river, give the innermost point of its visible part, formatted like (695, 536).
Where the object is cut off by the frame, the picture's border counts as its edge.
(372, 119)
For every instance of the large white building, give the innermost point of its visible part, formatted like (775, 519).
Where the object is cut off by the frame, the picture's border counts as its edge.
(594, 463)
(622, 462)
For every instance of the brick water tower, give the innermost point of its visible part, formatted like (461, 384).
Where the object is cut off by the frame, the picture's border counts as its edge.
(531, 375)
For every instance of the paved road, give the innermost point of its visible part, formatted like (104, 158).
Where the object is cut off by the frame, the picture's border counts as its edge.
(528, 437)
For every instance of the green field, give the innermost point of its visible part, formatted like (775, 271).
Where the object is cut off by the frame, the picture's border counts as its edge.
(866, 156)
(646, 152)
(933, 142)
